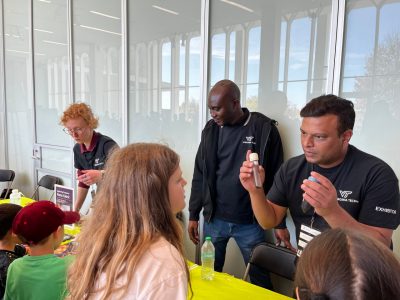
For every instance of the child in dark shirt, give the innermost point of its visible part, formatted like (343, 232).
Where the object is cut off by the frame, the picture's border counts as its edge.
(9, 249)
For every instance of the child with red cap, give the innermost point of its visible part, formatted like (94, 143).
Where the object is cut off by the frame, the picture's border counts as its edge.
(40, 275)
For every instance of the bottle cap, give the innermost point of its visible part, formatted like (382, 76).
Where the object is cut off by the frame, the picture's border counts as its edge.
(208, 238)
(253, 156)
(313, 179)
(15, 191)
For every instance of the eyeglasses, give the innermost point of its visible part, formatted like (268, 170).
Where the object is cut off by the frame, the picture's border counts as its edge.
(74, 130)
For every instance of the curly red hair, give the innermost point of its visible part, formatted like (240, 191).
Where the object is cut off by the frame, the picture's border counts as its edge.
(80, 110)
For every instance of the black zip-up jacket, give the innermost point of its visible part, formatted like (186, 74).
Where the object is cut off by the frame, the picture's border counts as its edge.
(203, 192)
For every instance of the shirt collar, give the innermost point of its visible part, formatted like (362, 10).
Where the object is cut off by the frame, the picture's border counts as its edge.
(247, 116)
(244, 120)
(93, 143)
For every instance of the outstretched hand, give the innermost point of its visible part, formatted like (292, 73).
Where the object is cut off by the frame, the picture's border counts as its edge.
(90, 177)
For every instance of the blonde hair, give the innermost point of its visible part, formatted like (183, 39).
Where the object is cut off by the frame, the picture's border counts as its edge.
(80, 110)
(131, 211)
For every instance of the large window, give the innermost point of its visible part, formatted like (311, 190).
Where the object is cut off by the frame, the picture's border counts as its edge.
(371, 75)
(51, 69)
(97, 58)
(164, 73)
(277, 52)
(18, 88)
(164, 78)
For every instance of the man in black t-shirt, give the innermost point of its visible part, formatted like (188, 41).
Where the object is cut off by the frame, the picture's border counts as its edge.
(350, 189)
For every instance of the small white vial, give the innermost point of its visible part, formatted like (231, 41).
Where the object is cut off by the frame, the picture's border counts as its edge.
(256, 172)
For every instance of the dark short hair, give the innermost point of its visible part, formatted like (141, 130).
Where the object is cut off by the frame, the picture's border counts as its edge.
(331, 105)
(230, 86)
(7, 214)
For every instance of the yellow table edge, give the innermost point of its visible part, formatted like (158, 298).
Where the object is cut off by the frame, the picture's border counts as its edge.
(225, 286)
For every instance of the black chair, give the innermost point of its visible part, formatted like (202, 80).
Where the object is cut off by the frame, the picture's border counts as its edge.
(47, 182)
(8, 177)
(274, 259)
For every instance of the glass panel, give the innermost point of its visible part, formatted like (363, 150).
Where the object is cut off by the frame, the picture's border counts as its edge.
(371, 76)
(253, 56)
(359, 43)
(166, 63)
(279, 58)
(51, 69)
(3, 162)
(194, 63)
(300, 36)
(182, 62)
(19, 92)
(218, 47)
(297, 95)
(252, 97)
(282, 51)
(232, 41)
(164, 78)
(98, 72)
(56, 160)
(277, 46)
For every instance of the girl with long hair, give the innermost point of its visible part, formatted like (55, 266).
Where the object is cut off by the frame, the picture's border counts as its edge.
(130, 246)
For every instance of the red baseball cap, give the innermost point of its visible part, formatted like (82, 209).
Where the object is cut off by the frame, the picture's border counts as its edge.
(38, 220)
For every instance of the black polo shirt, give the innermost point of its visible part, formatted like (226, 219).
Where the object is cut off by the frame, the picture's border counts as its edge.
(94, 157)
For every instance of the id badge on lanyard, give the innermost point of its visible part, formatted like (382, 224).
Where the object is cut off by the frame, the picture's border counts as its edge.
(307, 233)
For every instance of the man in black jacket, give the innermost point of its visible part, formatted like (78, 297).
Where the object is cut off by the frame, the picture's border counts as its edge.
(216, 187)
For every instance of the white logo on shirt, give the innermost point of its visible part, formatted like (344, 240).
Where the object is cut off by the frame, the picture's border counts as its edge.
(344, 194)
(344, 197)
(249, 140)
(386, 210)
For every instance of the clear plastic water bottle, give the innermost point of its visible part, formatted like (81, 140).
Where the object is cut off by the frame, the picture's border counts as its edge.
(207, 260)
(15, 197)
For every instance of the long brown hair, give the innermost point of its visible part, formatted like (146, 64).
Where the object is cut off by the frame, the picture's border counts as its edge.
(130, 212)
(341, 264)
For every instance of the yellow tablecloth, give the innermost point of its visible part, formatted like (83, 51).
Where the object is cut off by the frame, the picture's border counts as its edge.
(24, 201)
(225, 286)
